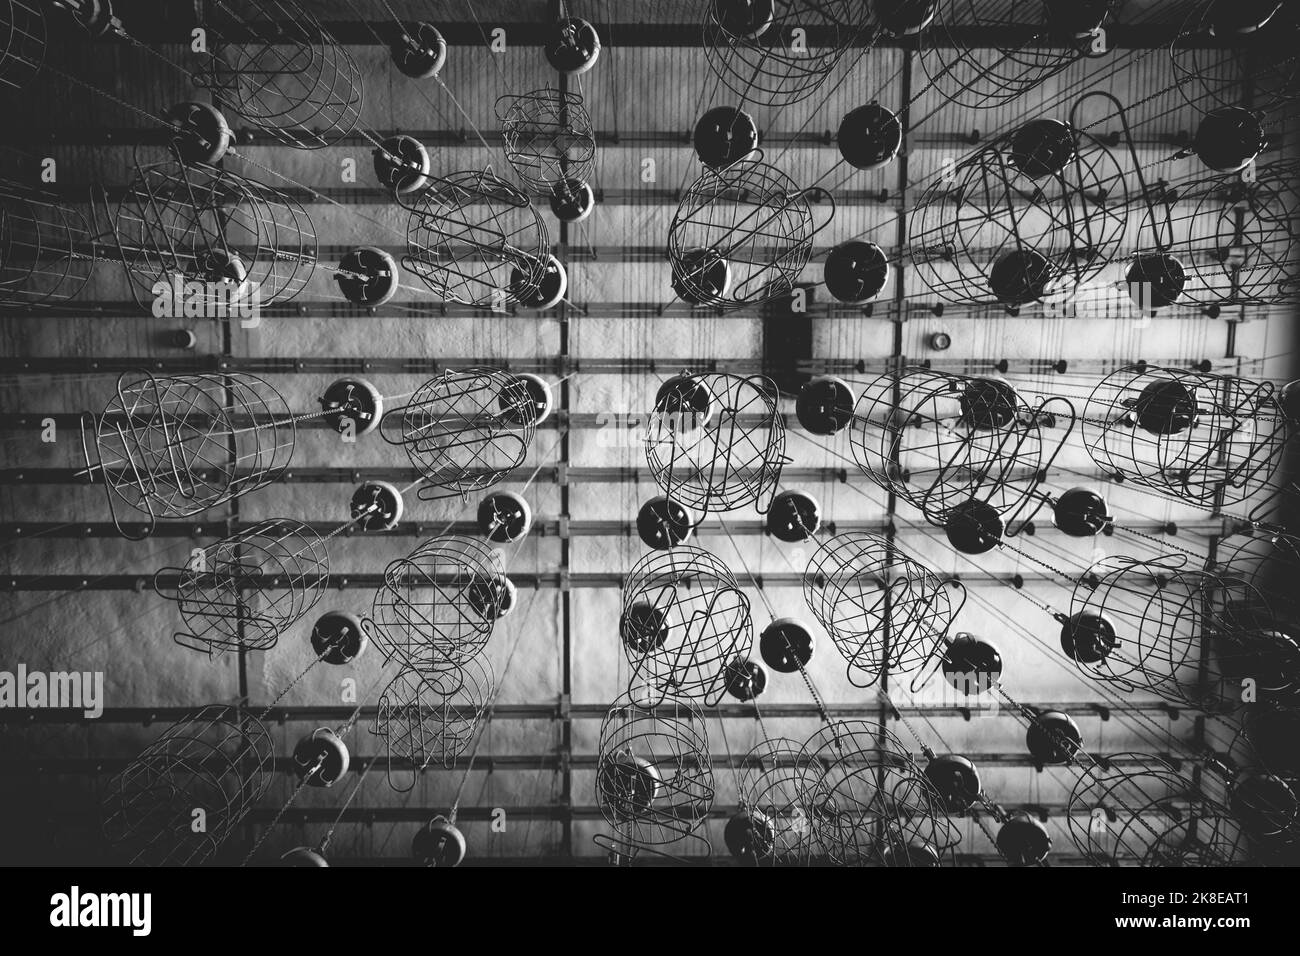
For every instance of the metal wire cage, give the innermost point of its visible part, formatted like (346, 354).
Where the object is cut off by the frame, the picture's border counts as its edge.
(273, 63)
(1042, 39)
(245, 590)
(1193, 435)
(1257, 570)
(1134, 809)
(1235, 242)
(430, 718)
(464, 431)
(742, 234)
(437, 606)
(219, 760)
(1037, 211)
(47, 249)
(198, 222)
(548, 137)
(716, 442)
(654, 782)
(1243, 47)
(941, 440)
(475, 239)
(772, 789)
(773, 62)
(175, 446)
(684, 621)
(1151, 626)
(870, 802)
(885, 612)
(22, 42)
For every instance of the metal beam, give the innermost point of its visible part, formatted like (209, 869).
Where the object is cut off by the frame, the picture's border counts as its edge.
(641, 32)
(441, 138)
(542, 528)
(492, 763)
(334, 714)
(418, 365)
(375, 579)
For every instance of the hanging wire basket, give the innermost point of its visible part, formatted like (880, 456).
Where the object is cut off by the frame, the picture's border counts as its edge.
(475, 239)
(716, 442)
(1038, 211)
(548, 138)
(1151, 625)
(273, 64)
(1221, 47)
(431, 717)
(684, 621)
(198, 222)
(176, 446)
(244, 591)
(743, 234)
(1198, 436)
(871, 803)
(47, 249)
(22, 42)
(886, 613)
(1235, 241)
(1035, 41)
(437, 606)
(218, 761)
(464, 431)
(1134, 809)
(772, 790)
(783, 58)
(654, 782)
(941, 440)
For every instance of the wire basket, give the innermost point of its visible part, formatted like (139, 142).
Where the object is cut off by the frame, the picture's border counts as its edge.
(1039, 210)
(1213, 62)
(1198, 436)
(772, 789)
(742, 234)
(475, 239)
(886, 613)
(464, 431)
(716, 442)
(1256, 598)
(244, 591)
(548, 138)
(790, 57)
(940, 441)
(273, 63)
(1134, 809)
(1036, 41)
(218, 760)
(1150, 626)
(47, 249)
(870, 802)
(22, 42)
(1236, 241)
(654, 782)
(437, 606)
(684, 621)
(197, 222)
(428, 718)
(176, 446)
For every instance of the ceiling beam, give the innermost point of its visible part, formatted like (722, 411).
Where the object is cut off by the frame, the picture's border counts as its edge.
(643, 33)
(543, 528)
